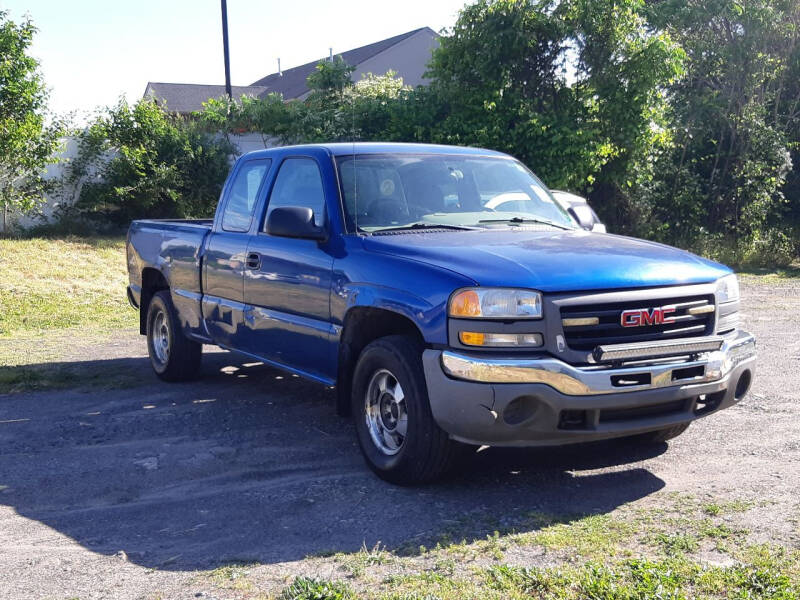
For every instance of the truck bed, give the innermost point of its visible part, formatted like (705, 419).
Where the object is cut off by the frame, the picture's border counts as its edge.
(175, 248)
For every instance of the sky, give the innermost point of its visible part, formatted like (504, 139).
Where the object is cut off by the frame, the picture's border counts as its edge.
(94, 51)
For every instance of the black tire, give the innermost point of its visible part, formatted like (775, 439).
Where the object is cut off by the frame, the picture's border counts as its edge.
(426, 452)
(661, 435)
(181, 360)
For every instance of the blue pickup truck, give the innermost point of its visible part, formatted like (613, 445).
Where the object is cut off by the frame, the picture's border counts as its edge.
(451, 301)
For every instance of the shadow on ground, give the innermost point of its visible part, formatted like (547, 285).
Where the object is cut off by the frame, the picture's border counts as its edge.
(251, 464)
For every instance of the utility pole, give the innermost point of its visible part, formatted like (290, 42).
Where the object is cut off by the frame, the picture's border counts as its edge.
(225, 49)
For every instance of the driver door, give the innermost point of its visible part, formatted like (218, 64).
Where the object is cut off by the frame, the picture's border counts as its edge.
(287, 281)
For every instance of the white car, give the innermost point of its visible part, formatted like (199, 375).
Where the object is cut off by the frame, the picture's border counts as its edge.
(576, 206)
(579, 208)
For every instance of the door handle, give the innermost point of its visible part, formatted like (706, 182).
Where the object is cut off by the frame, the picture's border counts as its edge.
(253, 260)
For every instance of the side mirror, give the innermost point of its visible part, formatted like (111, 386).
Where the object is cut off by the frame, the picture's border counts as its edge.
(583, 215)
(294, 222)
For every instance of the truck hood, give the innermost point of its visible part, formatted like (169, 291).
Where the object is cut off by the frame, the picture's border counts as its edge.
(551, 261)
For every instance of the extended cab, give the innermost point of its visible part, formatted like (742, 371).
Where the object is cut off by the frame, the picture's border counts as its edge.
(447, 296)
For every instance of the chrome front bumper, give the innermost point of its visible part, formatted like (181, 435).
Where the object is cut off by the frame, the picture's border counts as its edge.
(602, 379)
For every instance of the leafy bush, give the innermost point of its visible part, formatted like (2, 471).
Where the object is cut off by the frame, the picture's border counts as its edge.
(142, 162)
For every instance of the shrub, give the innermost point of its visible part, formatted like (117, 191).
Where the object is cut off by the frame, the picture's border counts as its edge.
(141, 162)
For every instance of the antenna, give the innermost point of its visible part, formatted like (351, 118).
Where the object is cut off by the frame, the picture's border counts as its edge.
(355, 172)
(280, 73)
(330, 54)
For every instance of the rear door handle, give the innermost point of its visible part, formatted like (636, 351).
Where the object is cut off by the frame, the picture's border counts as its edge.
(253, 260)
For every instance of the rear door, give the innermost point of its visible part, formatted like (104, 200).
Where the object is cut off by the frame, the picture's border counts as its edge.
(224, 262)
(287, 281)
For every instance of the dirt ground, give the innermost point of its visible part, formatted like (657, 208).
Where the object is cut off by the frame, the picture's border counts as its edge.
(131, 491)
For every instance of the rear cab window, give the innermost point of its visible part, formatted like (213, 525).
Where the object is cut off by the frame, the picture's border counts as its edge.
(243, 195)
(298, 183)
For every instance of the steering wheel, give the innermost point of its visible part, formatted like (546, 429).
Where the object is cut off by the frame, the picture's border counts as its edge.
(388, 209)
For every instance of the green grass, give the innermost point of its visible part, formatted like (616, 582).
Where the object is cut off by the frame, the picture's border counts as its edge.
(57, 297)
(771, 274)
(635, 553)
(304, 588)
(772, 575)
(58, 284)
(232, 576)
(23, 378)
(357, 562)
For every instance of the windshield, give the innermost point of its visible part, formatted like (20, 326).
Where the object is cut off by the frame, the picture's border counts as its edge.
(410, 190)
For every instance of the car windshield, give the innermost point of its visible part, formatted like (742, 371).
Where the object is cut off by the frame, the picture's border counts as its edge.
(383, 192)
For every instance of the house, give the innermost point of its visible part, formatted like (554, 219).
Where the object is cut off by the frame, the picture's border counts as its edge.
(407, 54)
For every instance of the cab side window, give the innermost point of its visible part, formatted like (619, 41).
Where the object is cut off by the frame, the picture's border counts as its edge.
(299, 183)
(243, 195)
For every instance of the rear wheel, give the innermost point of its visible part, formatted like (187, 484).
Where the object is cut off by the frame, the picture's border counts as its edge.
(661, 435)
(174, 357)
(398, 436)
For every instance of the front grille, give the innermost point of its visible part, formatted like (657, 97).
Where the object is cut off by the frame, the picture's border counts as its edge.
(609, 329)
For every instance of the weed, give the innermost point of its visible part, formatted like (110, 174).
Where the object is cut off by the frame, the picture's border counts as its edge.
(358, 562)
(233, 576)
(306, 588)
(677, 543)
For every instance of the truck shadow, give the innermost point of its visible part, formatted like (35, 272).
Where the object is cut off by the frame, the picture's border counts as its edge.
(251, 464)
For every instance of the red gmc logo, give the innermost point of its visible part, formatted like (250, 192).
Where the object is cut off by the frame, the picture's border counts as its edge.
(639, 317)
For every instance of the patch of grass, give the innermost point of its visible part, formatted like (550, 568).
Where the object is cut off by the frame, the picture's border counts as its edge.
(48, 284)
(357, 562)
(677, 543)
(306, 588)
(42, 377)
(595, 557)
(771, 274)
(733, 506)
(233, 576)
(674, 578)
(590, 536)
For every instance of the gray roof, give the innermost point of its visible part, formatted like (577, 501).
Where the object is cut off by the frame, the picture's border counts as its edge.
(292, 83)
(188, 97)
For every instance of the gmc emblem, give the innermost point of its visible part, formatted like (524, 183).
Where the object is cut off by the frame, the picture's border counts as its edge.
(640, 317)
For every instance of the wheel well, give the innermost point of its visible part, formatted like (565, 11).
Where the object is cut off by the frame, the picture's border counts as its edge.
(153, 281)
(363, 325)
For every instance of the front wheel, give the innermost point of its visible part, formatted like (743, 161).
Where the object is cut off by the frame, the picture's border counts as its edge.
(399, 438)
(174, 357)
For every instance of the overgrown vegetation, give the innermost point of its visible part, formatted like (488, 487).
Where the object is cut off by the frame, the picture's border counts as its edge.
(680, 120)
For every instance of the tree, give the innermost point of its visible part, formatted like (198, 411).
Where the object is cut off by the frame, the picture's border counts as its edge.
(27, 141)
(570, 87)
(736, 117)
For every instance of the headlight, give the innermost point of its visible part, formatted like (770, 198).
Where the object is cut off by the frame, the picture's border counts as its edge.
(495, 303)
(727, 289)
(500, 340)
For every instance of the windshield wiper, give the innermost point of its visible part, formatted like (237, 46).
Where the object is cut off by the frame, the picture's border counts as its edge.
(423, 225)
(525, 220)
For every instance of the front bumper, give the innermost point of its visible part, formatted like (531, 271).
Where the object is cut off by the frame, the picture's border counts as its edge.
(522, 402)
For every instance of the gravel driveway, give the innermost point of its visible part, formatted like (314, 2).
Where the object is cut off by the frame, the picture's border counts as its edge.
(128, 492)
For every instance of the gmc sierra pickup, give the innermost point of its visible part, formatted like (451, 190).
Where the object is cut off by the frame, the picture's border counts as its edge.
(447, 296)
